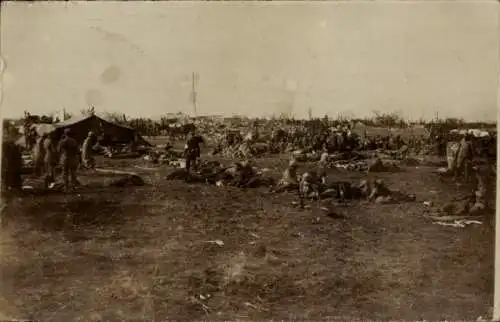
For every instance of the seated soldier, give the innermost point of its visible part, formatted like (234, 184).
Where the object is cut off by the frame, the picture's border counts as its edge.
(245, 176)
(323, 162)
(379, 190)
(363, 189)
(482, 194)
(310, 186)
(288, 181)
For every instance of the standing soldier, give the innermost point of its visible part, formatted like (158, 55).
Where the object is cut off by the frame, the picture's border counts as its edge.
(12, 163)
(464, 157)
(50, 159)
(322, 165)
(32, 137)
(135, 142)
(68, 148)
(39, 155)
(192, 150)
(411, 143)
(87, 159)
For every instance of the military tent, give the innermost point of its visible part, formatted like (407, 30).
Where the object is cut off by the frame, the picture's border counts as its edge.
(42, 129)
(475, 132)
(112, 132)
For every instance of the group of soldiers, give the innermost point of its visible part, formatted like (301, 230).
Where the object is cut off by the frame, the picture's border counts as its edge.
(315, 184)
(312, 183)
(335, 139)
(48, 154)
(66, 154)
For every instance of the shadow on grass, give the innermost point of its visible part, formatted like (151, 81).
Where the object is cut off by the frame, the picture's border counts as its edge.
(77, 211)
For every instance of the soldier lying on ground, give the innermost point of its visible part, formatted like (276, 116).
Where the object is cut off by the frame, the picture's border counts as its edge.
(240, 175)
(248, 178)
(381, 194)
(342, 190)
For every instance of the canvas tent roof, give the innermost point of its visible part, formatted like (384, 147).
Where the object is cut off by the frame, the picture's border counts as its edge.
(475, 132)
(77, 119)
(42, 129)
(81, 125)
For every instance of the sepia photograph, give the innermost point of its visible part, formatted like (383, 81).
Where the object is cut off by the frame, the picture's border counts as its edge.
(249, 161)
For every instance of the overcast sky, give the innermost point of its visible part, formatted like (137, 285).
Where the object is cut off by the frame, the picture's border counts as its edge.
(417, 58)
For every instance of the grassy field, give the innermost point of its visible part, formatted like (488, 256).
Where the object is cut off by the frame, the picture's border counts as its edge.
(144, 253)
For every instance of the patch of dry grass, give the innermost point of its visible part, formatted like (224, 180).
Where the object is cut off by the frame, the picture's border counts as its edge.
(144, 254)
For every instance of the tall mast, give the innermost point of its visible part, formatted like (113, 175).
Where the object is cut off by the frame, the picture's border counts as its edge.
(194, 94)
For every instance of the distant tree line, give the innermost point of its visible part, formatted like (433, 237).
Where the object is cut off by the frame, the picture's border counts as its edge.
(163, 126)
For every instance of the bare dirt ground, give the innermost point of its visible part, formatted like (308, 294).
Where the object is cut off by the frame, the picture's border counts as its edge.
(143, 253)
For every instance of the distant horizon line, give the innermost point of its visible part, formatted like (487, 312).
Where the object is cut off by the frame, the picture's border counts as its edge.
(277, 115)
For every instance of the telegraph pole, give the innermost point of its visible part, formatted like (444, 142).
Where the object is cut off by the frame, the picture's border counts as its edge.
(194, 94)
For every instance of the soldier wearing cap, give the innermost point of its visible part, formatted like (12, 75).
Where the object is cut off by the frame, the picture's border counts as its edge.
(68, 149)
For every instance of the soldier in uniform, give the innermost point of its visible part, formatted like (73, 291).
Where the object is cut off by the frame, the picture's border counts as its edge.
(11, 165)
(289, 180)
(192, 150)
(68, 149)
(50, 159)
(464, 157)
(87, 159)
(39, 155)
